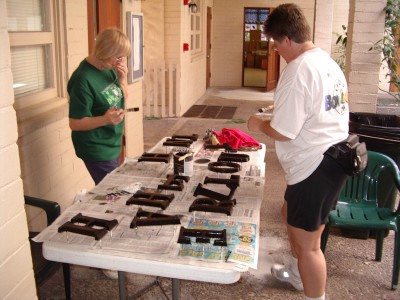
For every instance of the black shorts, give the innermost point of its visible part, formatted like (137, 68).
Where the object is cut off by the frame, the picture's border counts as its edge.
(310, 201)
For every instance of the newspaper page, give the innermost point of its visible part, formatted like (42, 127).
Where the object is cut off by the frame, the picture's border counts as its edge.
(241, 238)
(108, 201)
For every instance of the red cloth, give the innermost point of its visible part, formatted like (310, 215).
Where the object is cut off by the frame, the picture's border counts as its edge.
(236, 138)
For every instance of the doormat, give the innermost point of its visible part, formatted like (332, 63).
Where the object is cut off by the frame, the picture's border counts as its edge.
(211, 112)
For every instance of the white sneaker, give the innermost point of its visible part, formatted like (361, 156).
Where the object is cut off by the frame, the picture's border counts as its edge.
(111, 274)
(284, 274)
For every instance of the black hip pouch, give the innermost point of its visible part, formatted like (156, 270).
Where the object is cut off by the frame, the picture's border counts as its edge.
(350, 154)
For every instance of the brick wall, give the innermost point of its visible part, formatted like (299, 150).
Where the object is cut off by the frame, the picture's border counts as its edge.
(366, 25)
(37, 155)
(16, 275)
(340, 17)
(49, 166)
(323, 24)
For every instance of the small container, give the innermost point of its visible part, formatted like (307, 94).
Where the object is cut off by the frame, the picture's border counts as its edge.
(179, 163)
(188, 165)
(183, 163)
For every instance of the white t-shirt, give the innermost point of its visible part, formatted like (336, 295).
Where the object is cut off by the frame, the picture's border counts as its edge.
(310, 108)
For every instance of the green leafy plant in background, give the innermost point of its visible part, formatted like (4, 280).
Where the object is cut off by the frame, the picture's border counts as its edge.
(341, 44)
(389, 44)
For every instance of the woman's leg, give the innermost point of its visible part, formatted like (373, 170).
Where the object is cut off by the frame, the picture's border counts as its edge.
(99, 169)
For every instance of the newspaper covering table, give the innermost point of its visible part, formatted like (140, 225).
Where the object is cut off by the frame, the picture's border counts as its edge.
(157, 245)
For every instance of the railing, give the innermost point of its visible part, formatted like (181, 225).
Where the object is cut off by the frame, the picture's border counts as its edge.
(161, 90)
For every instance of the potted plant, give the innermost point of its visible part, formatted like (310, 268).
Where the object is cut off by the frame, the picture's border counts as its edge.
(389, 46)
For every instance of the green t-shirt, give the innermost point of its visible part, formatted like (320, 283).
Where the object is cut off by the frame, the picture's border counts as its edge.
(91, 93)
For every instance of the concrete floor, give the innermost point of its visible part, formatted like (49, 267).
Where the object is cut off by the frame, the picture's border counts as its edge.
(352, 271)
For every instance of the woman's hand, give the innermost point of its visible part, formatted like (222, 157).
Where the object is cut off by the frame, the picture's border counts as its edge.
(114, 115)
(122, 70)
(122, 73)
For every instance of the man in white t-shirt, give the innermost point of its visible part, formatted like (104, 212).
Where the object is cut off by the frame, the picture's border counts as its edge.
(310, 115)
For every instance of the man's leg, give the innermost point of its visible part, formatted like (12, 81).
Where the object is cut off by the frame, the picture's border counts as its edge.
(290, 271)
(311, 260)
(291, 242)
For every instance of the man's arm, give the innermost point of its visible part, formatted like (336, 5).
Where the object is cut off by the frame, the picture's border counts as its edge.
(259, 125)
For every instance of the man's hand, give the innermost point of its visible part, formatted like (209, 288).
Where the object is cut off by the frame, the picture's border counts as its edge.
(254, 123)
(259, 125)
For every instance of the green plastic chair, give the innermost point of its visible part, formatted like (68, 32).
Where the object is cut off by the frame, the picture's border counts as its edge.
(42, 267)
(357, 207)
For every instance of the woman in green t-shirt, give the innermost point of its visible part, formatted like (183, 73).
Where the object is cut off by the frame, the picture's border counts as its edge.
(97, 92)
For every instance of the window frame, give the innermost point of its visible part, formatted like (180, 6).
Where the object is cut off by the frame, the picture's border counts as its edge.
(194, 31)
(53, 37)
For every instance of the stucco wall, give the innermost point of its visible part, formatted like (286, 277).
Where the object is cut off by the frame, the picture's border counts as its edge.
(133, 119)
(227, 41)
(165, 33)
(193, 73)
(44, 157)
(154, 28)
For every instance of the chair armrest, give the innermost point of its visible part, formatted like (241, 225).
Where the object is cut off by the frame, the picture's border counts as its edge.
(51, 208)
(397, 184)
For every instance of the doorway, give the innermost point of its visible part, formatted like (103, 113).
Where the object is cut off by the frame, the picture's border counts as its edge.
(102, 14)
(260, 61)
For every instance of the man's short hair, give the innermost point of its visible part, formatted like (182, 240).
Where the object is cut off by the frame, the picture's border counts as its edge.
(288, 20)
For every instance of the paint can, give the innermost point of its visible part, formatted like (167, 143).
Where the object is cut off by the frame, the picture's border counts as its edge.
(183, 163)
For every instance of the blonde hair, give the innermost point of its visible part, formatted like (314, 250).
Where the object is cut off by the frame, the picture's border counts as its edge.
(111, 42)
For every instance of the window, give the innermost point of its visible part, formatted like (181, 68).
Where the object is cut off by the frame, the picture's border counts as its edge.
(196, 29)
(31, 28)
(254, 20)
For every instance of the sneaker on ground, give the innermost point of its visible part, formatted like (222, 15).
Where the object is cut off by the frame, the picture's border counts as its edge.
(111, 274)
(284, 274)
